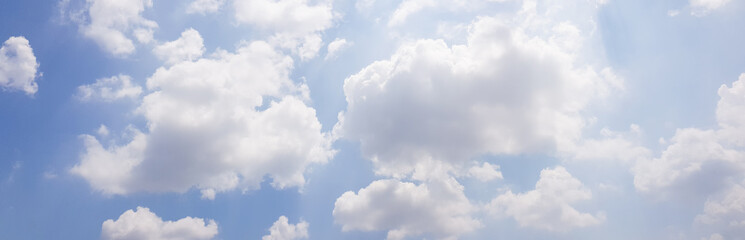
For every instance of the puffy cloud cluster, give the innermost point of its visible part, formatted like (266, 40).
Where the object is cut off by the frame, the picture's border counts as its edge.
(519, 85)
(436, 208)
(18, 66)
(706, 157)
(504, 92)
(283, 230)
(110, 89)
(215, 124)
(141, 224)
(113, 23)
(295, 24)
(549, 206)
(705, 162)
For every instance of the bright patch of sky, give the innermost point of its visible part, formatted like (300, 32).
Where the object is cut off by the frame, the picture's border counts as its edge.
(411, 119)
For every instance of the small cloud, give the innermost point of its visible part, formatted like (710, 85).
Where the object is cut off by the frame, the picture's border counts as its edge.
(49, 175)
(110, 89)
(283, 230)
(335, 47)
(673, 12)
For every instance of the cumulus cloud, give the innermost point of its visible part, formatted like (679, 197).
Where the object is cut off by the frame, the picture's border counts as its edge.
(110, 89)
(336, 46)
(142, 224)
(18, 66)
(726, 210)
(700, 160)
(283, 230)
(436, 208)
(189, 47)
(504, 92)
(702, 8)
(295, 24)
(549, 206)
(215, 124)
(204, 6)
(112, 24)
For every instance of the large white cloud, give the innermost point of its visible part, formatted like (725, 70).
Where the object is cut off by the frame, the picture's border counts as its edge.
(18, 66)
(283, 230)
(505, 92)
(215, 124)
(726, 211)
(706, 157)
(436, 208)
(549, 206)
(295, 24)
(141, 224)
(113, 23)
(110, 89)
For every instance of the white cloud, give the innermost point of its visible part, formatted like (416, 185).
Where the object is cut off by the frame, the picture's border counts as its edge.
(103, 131)
(295, 24)
(485, 172)
(504, 92)
(704, 157)
(336, 46)
(702, 8)
(204, 6)
(18, 66)
(142, 224)
(189, 47)
(673, 12)
(728, 209)
(110, 89)
(549, 206)
(612, 146)
(714, 236)
(407, 8)
(214, 124)
(282, 230)
(111, 21)
(436, 208)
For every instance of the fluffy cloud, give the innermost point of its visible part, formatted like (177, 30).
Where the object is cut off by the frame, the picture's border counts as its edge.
(189, 47)
(407, 8)
(549, 206)
(702, 8)
(505, 92)
(282, 230)
(624, 147)
(112, 24)
(296, 24)
(142, 224)
(726, 210)
(110, 89)
(204, 6)
(18, 66)
(335, 47)
(705, 157)
(436, 208)
(215, 124)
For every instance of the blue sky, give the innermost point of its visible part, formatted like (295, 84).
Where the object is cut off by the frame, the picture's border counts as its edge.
(374, 119)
